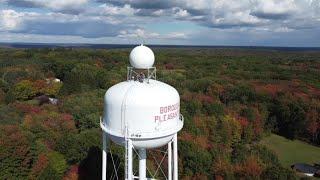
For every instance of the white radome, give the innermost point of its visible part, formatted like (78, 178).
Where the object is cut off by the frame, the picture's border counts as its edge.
(141, 57)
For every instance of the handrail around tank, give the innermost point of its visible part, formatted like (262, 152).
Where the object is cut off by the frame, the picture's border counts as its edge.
(145, 135)
(108, 131)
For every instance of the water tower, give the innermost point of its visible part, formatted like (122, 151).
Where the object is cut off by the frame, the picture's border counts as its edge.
(142, 113)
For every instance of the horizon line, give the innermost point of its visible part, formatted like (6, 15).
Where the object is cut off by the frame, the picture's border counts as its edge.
(168, 45)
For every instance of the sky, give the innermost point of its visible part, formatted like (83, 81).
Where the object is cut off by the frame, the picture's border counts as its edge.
(173, 22)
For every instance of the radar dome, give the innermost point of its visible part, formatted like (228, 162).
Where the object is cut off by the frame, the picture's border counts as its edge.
(141, 57)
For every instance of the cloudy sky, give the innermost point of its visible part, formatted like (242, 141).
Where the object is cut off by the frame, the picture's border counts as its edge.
(190, 22)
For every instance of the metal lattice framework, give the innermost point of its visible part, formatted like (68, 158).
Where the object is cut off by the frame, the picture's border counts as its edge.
(141, 74)
(158, 173)
(171, 153)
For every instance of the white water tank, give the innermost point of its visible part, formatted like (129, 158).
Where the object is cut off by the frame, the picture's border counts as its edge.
(151, 111)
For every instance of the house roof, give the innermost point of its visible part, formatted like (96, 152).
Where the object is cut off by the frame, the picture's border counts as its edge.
(304, 168)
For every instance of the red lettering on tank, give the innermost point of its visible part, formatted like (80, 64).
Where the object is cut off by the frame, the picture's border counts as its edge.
(167, 113)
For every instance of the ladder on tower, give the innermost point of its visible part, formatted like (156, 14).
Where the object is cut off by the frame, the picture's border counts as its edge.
(126, 153)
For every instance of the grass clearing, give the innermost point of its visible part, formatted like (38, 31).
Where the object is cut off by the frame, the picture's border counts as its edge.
(290, 152)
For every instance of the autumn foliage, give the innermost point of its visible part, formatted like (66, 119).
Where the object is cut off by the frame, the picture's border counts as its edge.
(230, 99)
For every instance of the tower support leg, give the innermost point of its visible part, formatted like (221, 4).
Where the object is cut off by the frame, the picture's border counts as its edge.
(104, 155)
(129, 160)
(170, 160)
(142, 164)
(175, 157)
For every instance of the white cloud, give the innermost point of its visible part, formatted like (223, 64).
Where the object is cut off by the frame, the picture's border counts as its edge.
(68, 6)
(58, 24)
(283, 29)
(177, 35)
(60, 4)
(158, 12)
(138, 33)
(230, 13)
(276, 7)
(180, 13)
(13, 20)
(195, 4)
(9, 20)
(211, 13)
(108, 9)
(143, 35)
(129, 18)
(273, 9)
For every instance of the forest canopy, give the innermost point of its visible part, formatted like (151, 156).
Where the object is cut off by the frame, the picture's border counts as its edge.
(51, 100)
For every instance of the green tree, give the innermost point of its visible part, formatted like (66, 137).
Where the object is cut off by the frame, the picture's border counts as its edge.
(215, 109)
(249, 113)
(76, 146)
(24, 90)
(9, 115)
(278, 172)
(49, 125)
(194, 159)
(222, 168)
(85, 108)
(81, 78)
(49, 174)
(290, 115)
(229, 130)
(57, 163)
(17, 153)
(242, 93)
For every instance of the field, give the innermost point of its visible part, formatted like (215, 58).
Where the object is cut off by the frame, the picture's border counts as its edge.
(290, 152)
